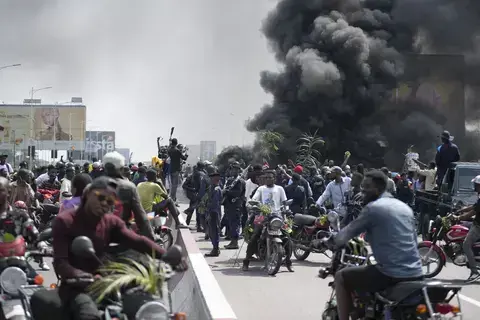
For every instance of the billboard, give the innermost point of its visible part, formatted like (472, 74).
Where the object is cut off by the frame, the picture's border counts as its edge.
(438, 80)
(60, 127)
(98, 143)
(208, 150)
(124, 152)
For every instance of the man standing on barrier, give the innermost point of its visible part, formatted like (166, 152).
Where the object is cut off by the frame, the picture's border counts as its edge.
(233, 198)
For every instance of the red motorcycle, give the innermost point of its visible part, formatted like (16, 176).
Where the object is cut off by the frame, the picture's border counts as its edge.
(446, 241)
(308, 234)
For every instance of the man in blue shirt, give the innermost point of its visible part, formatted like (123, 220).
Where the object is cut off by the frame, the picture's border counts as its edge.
(390, 230)
(214, 212)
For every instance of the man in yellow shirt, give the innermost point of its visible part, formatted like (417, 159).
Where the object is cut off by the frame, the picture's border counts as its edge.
(152, 195)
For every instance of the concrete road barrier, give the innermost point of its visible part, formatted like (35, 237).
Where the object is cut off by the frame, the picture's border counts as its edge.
(196, 291)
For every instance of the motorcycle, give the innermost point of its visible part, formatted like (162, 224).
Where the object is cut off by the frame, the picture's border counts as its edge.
(308, 233)
(420, 300)
(16, 272)
(453, 236)
(128, 301)
(274, 243)
(164, 234)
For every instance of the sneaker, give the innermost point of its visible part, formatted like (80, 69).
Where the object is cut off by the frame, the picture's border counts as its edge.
(44, 266)
(473, 277)
(245, 265)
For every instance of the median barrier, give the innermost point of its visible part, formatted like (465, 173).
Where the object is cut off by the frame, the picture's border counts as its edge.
(196, 291)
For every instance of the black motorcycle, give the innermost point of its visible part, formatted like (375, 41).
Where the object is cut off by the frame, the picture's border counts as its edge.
(274, 243)
(128, 302)
(419, 300)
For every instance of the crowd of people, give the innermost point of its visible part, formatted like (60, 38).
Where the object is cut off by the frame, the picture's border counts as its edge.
(131, 191)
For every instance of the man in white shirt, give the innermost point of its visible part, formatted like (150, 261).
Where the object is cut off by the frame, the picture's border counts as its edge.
(336, 191)
(67, 183)
(430, 173)
(273, 196)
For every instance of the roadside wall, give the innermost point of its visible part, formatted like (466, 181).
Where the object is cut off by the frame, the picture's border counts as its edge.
(196, 291)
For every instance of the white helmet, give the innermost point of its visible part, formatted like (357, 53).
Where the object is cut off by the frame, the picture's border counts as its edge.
(476, 180)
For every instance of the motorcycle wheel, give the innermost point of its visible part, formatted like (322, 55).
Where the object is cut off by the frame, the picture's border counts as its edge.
(275, 258)
(434, 254)
(299, 254)
(166, 238)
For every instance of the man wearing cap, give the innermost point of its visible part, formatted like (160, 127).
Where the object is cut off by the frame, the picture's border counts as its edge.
(336, 190)
(234, 197)
(213, 212)
(447, 154)
(303, 182)
(4, 165)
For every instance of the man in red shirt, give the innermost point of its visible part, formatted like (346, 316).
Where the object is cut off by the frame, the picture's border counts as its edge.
(91, 219)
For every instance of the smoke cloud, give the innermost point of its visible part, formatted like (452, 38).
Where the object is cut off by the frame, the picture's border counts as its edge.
(341, 61)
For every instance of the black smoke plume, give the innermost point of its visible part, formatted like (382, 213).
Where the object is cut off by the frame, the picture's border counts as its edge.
(244, 155)
(341, 61)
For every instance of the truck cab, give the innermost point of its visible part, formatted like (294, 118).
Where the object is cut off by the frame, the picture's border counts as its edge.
(457, 190)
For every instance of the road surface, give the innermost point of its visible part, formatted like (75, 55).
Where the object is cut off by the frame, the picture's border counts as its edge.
(299, 295)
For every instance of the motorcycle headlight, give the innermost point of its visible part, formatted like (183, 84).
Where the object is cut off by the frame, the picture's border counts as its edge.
(152, 310)
(12, 279)
(276, 224)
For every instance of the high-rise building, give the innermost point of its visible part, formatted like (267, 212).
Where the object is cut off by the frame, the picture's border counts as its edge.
(208, 150)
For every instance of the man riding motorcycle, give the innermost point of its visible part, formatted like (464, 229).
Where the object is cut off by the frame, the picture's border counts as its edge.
(273, 196)
(127, 194)
(474, 232)
(390, 229)
(91, 219)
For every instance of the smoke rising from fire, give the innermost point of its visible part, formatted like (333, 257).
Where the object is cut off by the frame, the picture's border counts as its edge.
(341, 61)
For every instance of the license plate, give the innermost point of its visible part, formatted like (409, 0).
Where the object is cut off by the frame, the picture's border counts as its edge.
(274, 233)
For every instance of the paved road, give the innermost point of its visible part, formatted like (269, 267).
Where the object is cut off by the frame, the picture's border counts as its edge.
(299, 295)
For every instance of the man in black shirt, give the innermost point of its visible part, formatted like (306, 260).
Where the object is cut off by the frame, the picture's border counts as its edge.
(297, 193)
(176, 157)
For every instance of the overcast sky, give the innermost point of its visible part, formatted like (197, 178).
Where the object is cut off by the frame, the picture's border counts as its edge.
(141, 66)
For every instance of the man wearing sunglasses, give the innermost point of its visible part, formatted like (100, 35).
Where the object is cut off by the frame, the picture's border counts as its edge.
(93, 219)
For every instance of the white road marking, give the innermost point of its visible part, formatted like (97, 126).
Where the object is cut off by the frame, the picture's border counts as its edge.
(470, 300)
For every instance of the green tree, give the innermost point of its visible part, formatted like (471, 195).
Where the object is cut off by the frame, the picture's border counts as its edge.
(308, 153)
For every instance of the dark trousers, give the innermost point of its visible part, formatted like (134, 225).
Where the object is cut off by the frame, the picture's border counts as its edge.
(232, 214)
(252, 246)
(213, 222)
(64, 303)
(224, 222)
(244, 217)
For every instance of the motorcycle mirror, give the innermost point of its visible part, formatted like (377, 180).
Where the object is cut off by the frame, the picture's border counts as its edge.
(173, 256)
(83, 247)
(45, 235)
(288, 202)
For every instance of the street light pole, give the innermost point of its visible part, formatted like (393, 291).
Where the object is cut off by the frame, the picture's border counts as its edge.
(32, 137)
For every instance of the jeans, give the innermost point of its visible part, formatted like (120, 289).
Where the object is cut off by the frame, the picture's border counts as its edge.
(175, 180)
(472, 236)
(360, 279)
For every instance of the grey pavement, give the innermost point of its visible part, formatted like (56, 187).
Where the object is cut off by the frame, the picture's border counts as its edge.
(299, 295)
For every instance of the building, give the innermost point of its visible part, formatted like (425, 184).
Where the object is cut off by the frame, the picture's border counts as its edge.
(46, 127)
(98, 143)
(208, 150)
(193, 154)
(124, 152)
